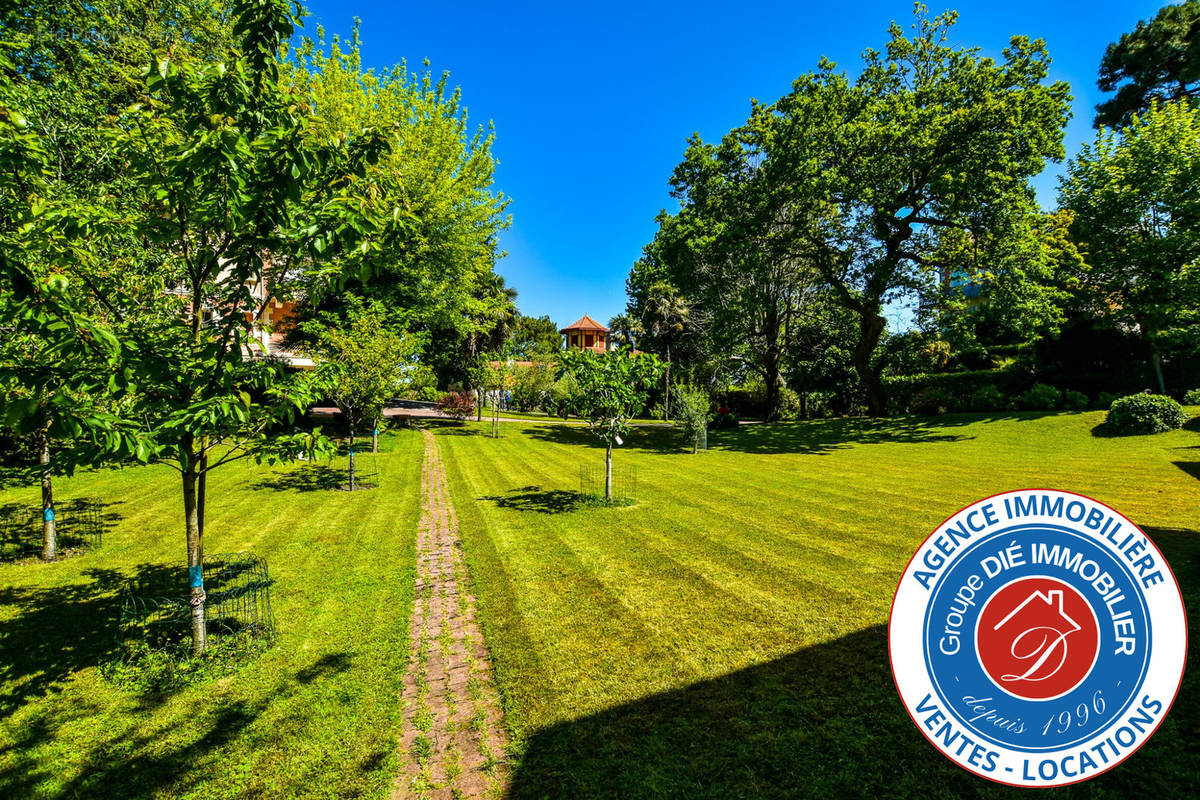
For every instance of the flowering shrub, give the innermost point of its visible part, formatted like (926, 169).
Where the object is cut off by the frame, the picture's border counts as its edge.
(456, 405)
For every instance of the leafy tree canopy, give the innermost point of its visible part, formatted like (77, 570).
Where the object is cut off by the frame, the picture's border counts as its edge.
(1135, 196)
(1158, 61)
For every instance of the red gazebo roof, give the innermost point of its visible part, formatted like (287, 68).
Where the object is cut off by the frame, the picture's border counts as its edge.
(585, 323)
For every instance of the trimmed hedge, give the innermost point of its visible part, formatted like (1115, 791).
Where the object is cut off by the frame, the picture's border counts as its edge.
(955, 391)
(1145, 413)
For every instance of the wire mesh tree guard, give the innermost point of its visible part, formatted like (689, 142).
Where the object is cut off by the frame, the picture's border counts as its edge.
(624, 483)
(154, 609)
(701, 441)
(77, 523)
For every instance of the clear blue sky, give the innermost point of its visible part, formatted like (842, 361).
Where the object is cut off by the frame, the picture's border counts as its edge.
(592, 104)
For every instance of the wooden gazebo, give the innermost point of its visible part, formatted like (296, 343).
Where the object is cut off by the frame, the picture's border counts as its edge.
(586, 334)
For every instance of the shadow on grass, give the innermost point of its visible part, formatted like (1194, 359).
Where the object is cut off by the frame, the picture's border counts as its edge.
(823, 722)
(307, 478)
(154, 766)
(82, 524)
(18, 475)
(534, 498)
(49, 633)
(657, 439)
(1190, 467)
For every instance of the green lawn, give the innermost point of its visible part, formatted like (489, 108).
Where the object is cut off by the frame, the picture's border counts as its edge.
(726, 635)
(315, 716)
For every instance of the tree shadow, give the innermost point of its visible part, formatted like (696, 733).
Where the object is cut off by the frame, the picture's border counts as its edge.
(824, 721)
(536, 499)
(82, 523)
(325, 666)
(15, 476)
(1190, 467)
(306, 478)
(49, 633)
(815, 437)
(659, 439)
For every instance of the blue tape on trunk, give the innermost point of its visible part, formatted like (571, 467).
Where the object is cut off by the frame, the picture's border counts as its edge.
(48, 514)
(196, 577)
(376, 431)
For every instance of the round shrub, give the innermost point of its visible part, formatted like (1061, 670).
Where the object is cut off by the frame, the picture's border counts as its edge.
(1145, 413)
(1074, 400)
(987, 398)
(1040, 397)
(724, 421)
(928, 403)
(1105, 400)
(1192, 397)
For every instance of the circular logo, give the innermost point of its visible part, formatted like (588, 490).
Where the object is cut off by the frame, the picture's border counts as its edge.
(1037, 638)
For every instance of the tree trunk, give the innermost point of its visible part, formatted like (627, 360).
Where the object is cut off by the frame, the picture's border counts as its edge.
(49, 524)
(375, 438)
(479, 405)
(870, 329)
(667, 399)
(195, 555)
(201, 493)
(1155, 355)
(1156, 360)
(351, 426)
(608, 474)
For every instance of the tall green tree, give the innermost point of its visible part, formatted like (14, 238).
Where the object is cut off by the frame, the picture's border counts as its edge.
(531, 337)
(242, 196)
(58, 361)
(1158, 61)
(929, 140)
(1135, 196)
(664, 317)
(438, 279)
(609, 389)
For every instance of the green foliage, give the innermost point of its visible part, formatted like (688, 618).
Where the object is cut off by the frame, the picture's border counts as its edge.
(779, 221)
(1135, 194)
(1074, 401)
(365, 363)
(435, 274)
(1192, 397)
(724, 422)
(1158, 61)
(989, 398)
(1040, 397)
(533, 385)
(142, 669)
(531, 337)
(955, 389)
(1145, 413)
(1104, 400)
(610, 388)
(691, 409)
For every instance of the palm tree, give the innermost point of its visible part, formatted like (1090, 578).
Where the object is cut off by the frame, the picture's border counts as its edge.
(625, 330)
(664, 317)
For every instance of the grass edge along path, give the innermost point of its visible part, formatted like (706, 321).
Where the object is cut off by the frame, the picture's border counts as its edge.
(454, 740)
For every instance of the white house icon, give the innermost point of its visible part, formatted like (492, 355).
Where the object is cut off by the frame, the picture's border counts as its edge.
(1026, 645)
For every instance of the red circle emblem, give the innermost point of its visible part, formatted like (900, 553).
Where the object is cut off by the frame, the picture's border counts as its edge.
(1037, 638)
